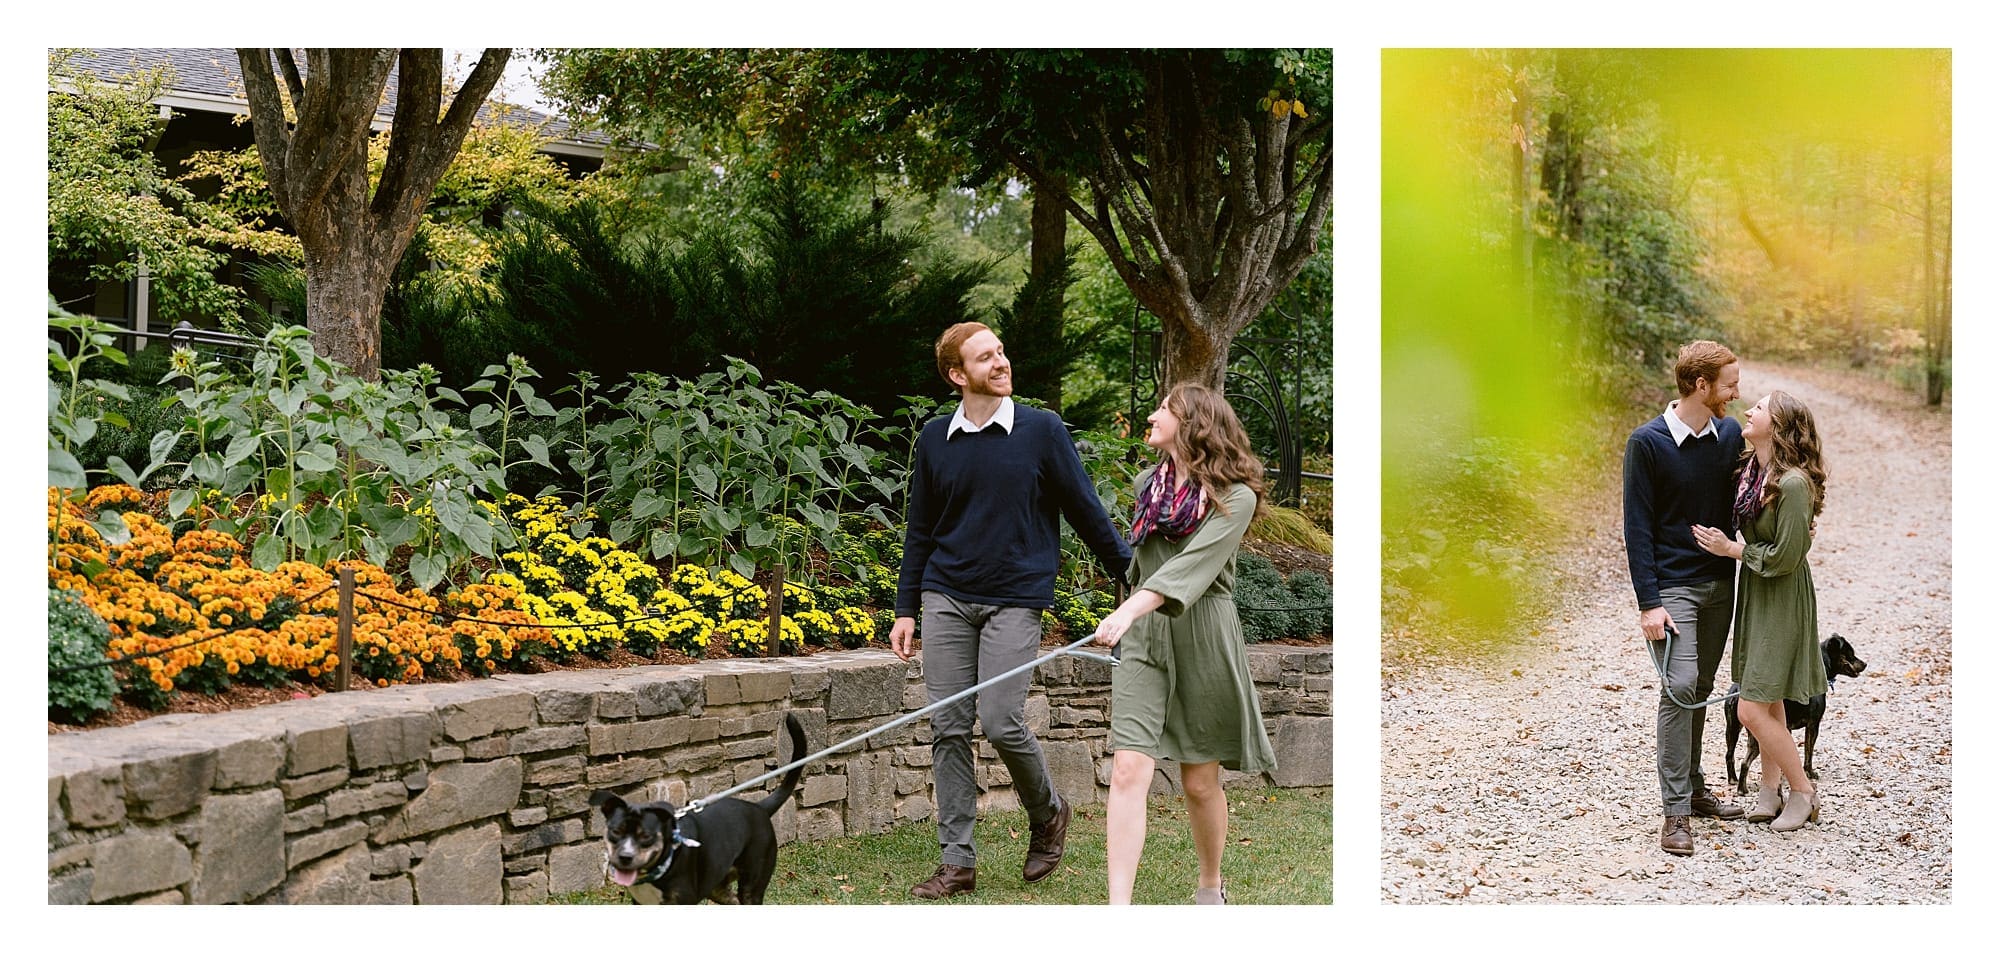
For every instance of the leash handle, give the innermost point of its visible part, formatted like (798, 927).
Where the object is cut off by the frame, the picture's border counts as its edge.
(1666, 656)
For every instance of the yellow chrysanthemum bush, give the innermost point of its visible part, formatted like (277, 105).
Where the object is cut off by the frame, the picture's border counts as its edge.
(603, 595)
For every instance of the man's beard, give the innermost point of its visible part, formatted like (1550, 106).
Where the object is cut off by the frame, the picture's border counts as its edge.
(984, 387)
(1717, 408)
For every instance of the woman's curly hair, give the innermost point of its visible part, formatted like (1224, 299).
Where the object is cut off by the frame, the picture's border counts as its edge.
(1794, 446)
(1212, 444)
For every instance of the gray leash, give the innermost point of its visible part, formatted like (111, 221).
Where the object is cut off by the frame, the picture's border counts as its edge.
(1660, 666)
(695, 806)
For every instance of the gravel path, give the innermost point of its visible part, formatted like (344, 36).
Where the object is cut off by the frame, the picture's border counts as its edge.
(1527, 777)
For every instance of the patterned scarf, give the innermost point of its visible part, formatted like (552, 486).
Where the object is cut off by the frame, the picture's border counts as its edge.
(1174, 514)
(1749, 495)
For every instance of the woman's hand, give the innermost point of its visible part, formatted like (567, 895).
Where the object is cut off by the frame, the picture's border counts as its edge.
(1717, 542)
(1120, 620)
(1112, 629)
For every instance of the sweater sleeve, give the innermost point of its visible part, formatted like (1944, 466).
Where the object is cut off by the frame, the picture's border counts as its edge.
(1187, 574)
(1078, 499)
(1782, 555)
(1639, 522)
(919, 535)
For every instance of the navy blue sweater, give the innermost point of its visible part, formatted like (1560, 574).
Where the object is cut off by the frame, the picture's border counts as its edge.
(1668, 490)
(982, 514)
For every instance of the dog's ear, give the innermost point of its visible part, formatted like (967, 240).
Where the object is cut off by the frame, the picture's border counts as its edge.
(658, 817)
(607, 802)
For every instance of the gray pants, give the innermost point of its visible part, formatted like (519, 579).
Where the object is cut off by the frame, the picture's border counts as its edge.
(1700, 614)
(965, 644)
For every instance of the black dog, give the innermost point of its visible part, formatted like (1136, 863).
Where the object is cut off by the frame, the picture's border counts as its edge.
(1840, 659)
(664, 859)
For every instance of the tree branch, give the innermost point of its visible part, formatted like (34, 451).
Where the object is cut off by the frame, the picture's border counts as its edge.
(1099, 225)
(267, 121)
(419, 93)
(435, 141)
(295, 85)
(342, 87)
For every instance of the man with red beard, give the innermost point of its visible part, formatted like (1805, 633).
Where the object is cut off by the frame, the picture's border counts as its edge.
(979, 559)
(1678, 470)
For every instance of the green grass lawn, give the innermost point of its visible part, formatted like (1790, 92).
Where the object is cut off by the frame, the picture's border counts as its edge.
(1280, 851)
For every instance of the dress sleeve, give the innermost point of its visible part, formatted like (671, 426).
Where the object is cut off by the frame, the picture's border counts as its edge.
(1784, 553)
(1187, 574)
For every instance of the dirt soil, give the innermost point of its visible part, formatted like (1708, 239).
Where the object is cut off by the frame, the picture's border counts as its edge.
(1527, 776)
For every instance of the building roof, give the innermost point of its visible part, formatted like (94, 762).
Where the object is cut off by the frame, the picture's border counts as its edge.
(209, 79)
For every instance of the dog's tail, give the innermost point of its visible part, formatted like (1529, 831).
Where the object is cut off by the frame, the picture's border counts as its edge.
(776, 799)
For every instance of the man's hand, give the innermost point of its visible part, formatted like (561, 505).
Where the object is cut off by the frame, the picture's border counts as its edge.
(901, 635)
(1653, 622)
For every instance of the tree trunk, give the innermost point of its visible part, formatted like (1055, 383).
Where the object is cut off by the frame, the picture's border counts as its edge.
(1937, 335)
(317, 166)
(1194, 351)
(1523, 188)
(344, 290)
(1037, 328)
(1205, 216)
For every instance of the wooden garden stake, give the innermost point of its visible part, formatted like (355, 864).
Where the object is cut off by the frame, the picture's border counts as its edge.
(772, 647)
(344, 628)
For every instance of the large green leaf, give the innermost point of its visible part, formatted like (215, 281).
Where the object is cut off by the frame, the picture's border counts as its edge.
(240, 448)
(477, 535)
(163, 444)
(427, 569)
(267, 552)
(64, 471)
(122, 470)
(317, 458)
(110, 389)
(112, 527)
(537, 449)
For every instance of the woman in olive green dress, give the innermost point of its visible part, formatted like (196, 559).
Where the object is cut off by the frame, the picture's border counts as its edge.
(1182, 691)
(1779, 492)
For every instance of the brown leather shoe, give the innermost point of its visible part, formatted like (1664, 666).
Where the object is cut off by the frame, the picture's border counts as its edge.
(949, 881)
(1706, 804)
(1677, 835)
(1045, 845)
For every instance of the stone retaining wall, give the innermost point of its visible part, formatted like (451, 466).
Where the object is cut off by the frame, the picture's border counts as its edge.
(476, 792)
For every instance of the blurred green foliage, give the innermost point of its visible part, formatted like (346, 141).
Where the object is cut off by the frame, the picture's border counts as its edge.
(1557, 222)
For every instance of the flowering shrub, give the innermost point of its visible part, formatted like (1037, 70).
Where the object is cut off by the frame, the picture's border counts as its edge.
(186, 611)
(561, 580)
(216, 621)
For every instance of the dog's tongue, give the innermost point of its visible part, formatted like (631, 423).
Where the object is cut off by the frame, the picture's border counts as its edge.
(624, 878)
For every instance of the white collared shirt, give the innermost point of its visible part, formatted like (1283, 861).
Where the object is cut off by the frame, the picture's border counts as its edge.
(1004, 417)
(1679, 428)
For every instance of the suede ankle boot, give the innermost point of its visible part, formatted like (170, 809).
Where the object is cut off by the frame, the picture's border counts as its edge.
(1799, 808)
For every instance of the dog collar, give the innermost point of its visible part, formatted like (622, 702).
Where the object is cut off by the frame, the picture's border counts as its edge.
(666, 862)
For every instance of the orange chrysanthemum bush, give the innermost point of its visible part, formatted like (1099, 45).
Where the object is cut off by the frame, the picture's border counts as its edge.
(217, 622)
